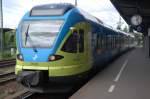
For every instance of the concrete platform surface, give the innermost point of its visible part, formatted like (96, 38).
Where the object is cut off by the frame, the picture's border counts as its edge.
(128, 77)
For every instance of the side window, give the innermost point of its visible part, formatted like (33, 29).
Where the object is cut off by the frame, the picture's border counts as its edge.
(71, 43)
(81, 40)
(102, 42)
(97, 46)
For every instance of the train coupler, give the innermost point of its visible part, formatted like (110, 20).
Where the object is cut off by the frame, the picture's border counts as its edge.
(29, 78)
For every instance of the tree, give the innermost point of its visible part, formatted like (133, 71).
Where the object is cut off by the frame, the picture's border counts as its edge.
(119, 24)
(126, 29)
(118, 27)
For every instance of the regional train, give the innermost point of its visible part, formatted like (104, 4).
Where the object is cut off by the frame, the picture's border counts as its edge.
(61, 44)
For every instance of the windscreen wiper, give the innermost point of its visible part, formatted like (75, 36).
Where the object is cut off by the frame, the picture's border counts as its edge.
(27, 36)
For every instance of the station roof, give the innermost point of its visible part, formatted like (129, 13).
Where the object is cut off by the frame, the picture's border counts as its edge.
(128, 8)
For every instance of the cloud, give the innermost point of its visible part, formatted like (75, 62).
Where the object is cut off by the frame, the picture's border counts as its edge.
(15, 9)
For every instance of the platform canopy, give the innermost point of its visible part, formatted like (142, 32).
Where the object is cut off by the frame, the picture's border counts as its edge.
(130, 8)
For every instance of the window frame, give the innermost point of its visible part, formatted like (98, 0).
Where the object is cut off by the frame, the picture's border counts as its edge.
(21, 31)
(67, 42)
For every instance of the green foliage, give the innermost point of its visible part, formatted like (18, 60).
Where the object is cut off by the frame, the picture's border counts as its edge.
(9, 41)
(6, 55)
(126, 29)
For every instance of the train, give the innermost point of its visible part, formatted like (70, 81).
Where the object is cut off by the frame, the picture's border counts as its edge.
(60, 44)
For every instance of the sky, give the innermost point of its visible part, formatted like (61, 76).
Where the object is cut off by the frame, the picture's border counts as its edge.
(13, 10)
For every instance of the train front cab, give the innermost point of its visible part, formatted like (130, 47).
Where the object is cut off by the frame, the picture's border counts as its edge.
(68, 65)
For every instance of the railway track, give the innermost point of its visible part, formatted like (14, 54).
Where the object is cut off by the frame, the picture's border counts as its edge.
(5, 63)
(25, 95)
(6, 77)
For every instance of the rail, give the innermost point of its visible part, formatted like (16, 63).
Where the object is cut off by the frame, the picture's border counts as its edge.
(5, 63)
(6, 77)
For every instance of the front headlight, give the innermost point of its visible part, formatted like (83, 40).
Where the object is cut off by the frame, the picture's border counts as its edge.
(54, 57)
(20, 57)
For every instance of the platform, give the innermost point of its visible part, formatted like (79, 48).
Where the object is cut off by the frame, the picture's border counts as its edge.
(128, 77)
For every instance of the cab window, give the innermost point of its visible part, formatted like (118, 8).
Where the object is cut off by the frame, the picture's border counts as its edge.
(70, 45)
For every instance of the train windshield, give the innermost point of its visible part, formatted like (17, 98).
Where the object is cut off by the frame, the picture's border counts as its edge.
(40, 34)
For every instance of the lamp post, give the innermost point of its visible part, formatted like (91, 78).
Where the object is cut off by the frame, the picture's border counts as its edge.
(1, 26)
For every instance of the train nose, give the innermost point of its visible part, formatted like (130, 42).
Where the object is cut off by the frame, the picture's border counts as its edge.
(29, 78)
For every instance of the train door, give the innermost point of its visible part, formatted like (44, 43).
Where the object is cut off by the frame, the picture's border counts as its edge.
(76, 48)
(81, 40)
(83, 46)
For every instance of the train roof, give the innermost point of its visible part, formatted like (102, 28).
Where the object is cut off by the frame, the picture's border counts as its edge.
(51, 9)
(61, 9)
(95, 21)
